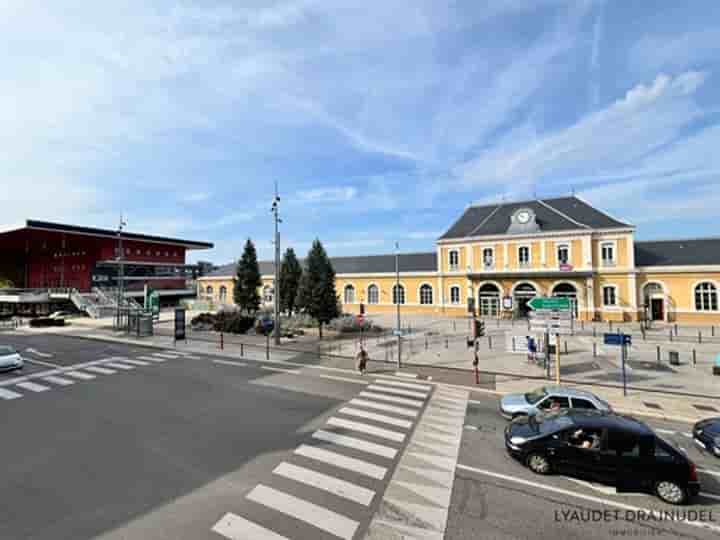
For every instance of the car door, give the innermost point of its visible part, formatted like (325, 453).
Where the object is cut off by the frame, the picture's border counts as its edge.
(546, 404)
(633, 458)
(576, 461)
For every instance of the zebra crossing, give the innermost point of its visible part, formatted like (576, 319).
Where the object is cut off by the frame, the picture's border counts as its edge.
(338, 480)
(35, 383)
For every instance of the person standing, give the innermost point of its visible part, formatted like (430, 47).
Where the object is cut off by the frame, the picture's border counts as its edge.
(532, 349)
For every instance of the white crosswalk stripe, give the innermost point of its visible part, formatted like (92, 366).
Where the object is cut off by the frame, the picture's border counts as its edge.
(351, 411)
(79, 375)
(100, 370)
(367, 428)
(411, 386)
(336, 486)
(58, 380)
(317, 516)
(344, 462)
(399, 391)
(9, 394)
(118, 365)
(238, 528)
(382, 407)
(165, 355)
(135, 362)
(33, 387)
(392, 399)
(357, 444)
(152, 359)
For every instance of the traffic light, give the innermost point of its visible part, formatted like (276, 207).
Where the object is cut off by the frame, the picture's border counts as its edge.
(362, 308)
(479, 328)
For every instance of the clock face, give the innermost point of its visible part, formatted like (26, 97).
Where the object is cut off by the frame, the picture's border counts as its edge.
(523, 217)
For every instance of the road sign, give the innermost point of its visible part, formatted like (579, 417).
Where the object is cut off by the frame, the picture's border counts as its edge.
(617, 339)
(554, 302)
(545, 314)
(551, 329)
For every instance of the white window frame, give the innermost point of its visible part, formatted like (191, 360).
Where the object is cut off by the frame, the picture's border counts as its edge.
(529, 257)
(222, 292)
(485, 265)
(706, 308)
(613, 245)
(615, 295)
(454, 267)
(459, 296)
(568, 247)
(420, 294)
(369, 296)
(348, 286)
(209, 291)
(400, 288)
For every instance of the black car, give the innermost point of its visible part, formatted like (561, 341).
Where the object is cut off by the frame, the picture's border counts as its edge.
(603, 447)
(706, 433)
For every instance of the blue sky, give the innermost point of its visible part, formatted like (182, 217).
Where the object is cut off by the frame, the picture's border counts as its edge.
(381, 121)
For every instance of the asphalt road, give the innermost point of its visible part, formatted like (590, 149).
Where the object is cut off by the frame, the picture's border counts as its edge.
(113, 442)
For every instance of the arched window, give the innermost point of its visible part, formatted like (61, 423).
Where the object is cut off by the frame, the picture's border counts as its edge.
(349, 294)
(398, 294)
(489, 300)
(706, 297)
(373, 294)
(455, 294)
(426, 294)
(209, 290)
(223, 293)
(567, 290)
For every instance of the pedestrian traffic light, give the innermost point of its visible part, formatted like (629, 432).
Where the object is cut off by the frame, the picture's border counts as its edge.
(362, 308)
(479, 328)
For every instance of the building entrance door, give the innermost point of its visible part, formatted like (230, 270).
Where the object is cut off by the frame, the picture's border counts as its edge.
(657, 311)
(523, 294)
(489, 306)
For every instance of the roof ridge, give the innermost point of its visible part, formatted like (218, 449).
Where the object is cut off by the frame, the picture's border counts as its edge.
(681, 239)
(604, 212)
(487, 218)
(563, 214)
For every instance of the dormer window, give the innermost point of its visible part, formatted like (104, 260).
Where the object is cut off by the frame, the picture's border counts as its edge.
(454, 259)
(607, 253)
(488, 258)
(563, 254)
(524, 256)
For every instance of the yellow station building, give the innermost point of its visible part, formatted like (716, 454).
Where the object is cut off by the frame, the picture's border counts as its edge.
(499, 256)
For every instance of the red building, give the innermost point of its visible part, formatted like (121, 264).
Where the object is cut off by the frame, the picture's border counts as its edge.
(42, 255)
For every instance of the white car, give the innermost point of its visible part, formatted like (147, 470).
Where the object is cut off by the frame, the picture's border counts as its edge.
(10, 358)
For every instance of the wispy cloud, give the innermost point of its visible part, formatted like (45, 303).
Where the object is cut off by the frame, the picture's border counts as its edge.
(326, 195)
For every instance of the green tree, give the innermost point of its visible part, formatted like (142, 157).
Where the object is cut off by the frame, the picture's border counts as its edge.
(247, 281)
(5, 283)
(290, 273)
(316, 295)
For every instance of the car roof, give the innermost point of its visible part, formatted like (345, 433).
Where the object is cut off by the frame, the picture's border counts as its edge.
(569, 391)
(608, 420)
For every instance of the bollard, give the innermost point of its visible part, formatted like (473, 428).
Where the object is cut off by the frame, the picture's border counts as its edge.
(671, 334)
(446, 343)
(566, 347)
(426, 344)
(242, 349)
(489, 342)
(699, 336)
(712, 331)
(513, 343)
(454, 327)
(675, 329)
(498, 322)
(528, 322)
(642, 329)
(267, 347)
(694, 359)
(222, 341)
(610, 326)
(582, 326)
(594, 331)
(594, 349)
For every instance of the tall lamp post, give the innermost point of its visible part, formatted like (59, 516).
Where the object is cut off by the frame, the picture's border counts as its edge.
(276, 292)
(121, 268)
(396, 299)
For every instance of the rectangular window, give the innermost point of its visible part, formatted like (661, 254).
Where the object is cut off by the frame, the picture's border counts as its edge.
(488, 258)
(524, 255)
(609, 298)
(607, 250)
(454, 260)
(563, 254)
(454, 295)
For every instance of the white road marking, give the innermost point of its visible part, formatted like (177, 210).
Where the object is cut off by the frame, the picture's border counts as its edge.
(382, 407)
(135, 362)
(238, 528)
(341, 461)
(367, 428)
(79, 375)
(41, 363)
(100, 370)
(165, 355)
(666, 431)
(412, 386)
(9, 394)
(471, 428)
(391, 390)
(688, 435)
(710, 496)
(336, 486)
(315, 515)
(707, 471)
(58, 380)
(392, 399)
(350, 411)
(283, 370)
(336, 378)
(357, 444)
(406, 375)
(152, 359)
(227, 363)
(33, 387)
(118, 365)
(38, 353)
(591, 498)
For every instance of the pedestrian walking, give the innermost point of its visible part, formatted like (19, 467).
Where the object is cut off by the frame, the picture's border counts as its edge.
(361, 359)
(532, 349)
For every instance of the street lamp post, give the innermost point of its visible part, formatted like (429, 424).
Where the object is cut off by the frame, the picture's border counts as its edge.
(276, 292)
(121, 269)
(396, 298)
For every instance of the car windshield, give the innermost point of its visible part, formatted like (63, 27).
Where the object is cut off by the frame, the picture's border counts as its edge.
(536, 395)
(5, 350)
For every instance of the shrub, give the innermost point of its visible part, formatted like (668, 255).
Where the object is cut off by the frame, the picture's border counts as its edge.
(229, 321)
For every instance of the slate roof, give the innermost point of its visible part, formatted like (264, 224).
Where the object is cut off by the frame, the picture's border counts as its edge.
(678, 252)
(363, 264)
(556, 214)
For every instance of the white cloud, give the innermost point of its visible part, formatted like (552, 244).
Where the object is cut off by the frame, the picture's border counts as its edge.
(326, 195)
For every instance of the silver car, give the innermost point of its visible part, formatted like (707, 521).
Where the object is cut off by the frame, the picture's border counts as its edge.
(10, 358)
(548, 398)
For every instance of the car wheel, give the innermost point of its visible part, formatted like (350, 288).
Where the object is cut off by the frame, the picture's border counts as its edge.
(538, 463)
(671, 492)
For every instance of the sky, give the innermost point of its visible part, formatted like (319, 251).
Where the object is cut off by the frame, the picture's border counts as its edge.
(380, 121)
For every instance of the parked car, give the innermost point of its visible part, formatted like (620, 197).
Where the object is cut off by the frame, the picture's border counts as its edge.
(9, 358)
(706, 433)
(604, 447)
(547, 398)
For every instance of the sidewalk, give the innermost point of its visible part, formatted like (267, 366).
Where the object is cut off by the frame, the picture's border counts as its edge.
(661, 405)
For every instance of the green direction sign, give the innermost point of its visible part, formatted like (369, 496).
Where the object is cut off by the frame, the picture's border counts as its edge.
(555, 302)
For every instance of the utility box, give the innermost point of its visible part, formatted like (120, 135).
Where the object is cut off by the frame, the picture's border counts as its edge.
(674, 358)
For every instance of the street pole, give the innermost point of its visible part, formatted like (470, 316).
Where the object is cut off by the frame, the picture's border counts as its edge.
(557, 359)
(276, 295)
(121, 269)
(622, 358)
(397, 298)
